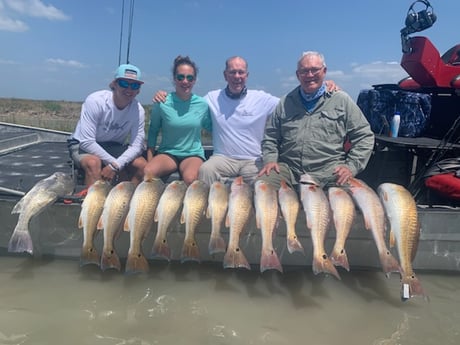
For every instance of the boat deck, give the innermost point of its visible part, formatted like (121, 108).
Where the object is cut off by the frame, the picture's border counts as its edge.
(27, 156)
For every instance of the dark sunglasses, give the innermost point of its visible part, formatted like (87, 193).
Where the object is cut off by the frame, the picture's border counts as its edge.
(125, 84)
(189, 77)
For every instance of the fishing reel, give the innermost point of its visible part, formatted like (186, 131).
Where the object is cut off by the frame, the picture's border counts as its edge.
(417, 21)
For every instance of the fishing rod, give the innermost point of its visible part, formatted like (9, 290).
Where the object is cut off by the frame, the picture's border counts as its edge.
(130, 29)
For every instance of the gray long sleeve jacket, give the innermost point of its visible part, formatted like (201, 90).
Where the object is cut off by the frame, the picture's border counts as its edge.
(313, 142)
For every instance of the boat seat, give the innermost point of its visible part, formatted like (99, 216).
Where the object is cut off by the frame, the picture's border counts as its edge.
(427, 68)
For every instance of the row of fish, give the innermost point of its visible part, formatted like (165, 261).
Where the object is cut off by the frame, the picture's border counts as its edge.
(391, 204)
(135, 209)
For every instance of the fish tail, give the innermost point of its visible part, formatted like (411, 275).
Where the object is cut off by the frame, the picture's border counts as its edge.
(161, 250)
(136, 263)
(21, 242)
(190, 252)
(389, 263)
(294, 245)
(411, 287)
(235, 258)
(89, 256)
(269, 261)
(325, 265)
(339, 258)
(216, 245)
(110, 260)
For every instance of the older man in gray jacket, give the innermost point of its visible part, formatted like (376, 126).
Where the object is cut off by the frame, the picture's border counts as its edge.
(315, 131)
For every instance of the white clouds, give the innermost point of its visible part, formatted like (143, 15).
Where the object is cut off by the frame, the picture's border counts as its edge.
(7, 62)
(357, 77)
(65, 63)
(14, 25)
(11, 9)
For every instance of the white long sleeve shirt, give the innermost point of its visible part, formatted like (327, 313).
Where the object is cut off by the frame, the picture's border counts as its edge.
(101, 121)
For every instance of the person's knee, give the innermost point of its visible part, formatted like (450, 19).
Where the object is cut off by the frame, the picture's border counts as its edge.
(91, 164)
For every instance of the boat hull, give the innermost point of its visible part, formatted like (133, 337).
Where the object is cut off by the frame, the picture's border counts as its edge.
(55, 233)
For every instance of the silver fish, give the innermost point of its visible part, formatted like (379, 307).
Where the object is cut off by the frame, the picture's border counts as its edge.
(43, 194)
(167, 210)
(195, 204)
(91, 210)
(289, 205)
(139, 221)
(317, 211)
(401, 211)
(116, 207)
(217, 210)
(343, 214)
(239, 212)
(374, 220)
(267, 216)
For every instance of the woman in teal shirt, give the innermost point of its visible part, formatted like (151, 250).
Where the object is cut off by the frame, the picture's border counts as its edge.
(180, 120)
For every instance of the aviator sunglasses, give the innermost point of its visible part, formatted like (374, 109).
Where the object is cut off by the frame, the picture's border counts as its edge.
(125, 84)
(189, 77)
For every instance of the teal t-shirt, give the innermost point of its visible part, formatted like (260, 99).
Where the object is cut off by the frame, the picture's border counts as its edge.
(180, 123)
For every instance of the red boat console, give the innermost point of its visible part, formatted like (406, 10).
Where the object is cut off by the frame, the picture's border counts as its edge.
(426, 67)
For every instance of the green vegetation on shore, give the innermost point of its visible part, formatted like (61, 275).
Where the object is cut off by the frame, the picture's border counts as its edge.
(56, 115)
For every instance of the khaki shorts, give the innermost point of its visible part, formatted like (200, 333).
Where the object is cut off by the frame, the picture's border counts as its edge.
(77, 154)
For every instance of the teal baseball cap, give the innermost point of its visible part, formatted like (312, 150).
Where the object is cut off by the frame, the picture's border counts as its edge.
(128, 71)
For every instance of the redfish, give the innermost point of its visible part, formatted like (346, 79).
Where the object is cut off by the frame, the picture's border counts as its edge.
(289, 205)
(374, 220)
(195, 204)
(116, 207)
(43, 194)
(401, 211)
(267, 217)
(217, 211)
(318, 214)
(343, 213)
(168, 208)
(139, 221)
(239, 212)
(91, 210)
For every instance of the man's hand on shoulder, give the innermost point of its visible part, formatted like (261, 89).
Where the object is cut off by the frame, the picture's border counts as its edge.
(159, 97)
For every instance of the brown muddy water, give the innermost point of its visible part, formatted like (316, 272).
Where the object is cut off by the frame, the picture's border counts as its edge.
(47, 301)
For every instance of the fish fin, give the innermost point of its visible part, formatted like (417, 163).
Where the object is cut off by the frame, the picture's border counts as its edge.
(190, 252)
(294, 245)
(392, 239)
(216, 245)
(367, 223)
(389, 263)
(88, 256)
(20, 242)
(325, 265)
(227, 221)
(110, 260)
(80, 222)
(156, 216)
(161, 250)
(269, 261)
(411, 287)
(100, 224)
(136, 263)
(209, 211)
(18, 207)
(126, 226)
(235, 258)
(182, 217)
(340, 258)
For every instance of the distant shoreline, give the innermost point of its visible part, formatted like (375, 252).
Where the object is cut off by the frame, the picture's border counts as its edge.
(57, 115)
